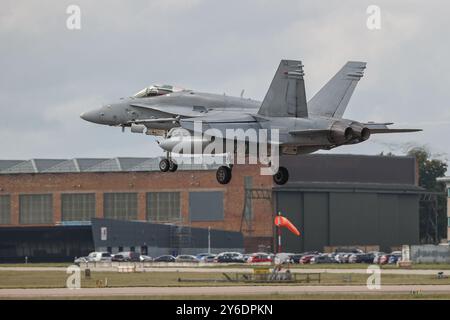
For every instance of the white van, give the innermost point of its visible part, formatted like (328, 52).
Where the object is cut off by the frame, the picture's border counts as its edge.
(99, 256)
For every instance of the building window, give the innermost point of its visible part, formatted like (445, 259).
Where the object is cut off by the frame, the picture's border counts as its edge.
(448, 192)
(36, 209)
(5, 209)
(120, 206)
(163, 206)
(448, 222)
(77, 206)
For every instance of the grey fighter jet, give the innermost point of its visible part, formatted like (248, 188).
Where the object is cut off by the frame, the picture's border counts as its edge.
(303, 127)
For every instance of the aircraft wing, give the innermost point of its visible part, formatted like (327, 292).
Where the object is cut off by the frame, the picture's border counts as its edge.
(216, 125)
(383, 128)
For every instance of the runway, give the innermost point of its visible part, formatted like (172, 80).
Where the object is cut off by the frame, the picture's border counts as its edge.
(230, 290)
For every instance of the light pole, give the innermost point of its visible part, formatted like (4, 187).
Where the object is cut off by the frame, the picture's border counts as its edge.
(209, 240)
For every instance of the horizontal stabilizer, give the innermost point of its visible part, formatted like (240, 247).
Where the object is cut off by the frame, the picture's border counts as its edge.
(383, 128)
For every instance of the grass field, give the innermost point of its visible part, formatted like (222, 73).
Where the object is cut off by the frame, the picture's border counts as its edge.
(57, 279)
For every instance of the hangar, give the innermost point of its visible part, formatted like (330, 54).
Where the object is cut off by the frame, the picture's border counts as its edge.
(335, 200)
(342, 200)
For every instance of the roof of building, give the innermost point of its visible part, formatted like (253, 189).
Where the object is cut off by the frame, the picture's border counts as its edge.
(95, 165)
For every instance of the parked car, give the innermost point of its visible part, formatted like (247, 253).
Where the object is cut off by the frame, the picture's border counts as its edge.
(259, 257)
(201, 255)
(323, 258)
(144, 258)
(306, 259)
(230, 257)
(341, 257)
(186, 258)
(99, 256)
(165, 258)
(208, 258)
(295, 258)
(377, 257)
(384, 259)
(282, 258)
(394, 257)
(118, 258)
(361, 258)
(126, 256)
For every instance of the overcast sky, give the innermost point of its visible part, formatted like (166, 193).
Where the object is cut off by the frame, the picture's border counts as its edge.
(50, 74)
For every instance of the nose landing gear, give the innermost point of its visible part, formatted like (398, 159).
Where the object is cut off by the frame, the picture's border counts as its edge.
(168, 165)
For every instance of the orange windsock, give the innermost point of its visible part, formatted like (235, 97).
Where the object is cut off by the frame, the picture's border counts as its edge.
(281, 221)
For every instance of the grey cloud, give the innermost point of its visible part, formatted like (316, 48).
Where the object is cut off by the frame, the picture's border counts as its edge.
(50, 74)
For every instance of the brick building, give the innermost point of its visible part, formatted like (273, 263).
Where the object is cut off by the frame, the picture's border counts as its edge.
(334, 199)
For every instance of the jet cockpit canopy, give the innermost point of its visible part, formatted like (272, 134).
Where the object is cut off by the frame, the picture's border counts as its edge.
(157, 90)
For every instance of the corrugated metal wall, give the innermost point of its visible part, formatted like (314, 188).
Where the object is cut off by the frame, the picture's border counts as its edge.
(349, 218)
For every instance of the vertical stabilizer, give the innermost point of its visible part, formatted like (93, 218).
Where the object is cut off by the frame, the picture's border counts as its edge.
(333, 98)
(286, 96)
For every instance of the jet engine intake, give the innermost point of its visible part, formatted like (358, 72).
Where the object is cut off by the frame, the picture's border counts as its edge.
(138, 128)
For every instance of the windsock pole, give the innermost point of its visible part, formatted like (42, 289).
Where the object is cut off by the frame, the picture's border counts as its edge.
(279, 234)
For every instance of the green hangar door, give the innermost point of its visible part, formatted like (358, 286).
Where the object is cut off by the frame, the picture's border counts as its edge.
(309, 213)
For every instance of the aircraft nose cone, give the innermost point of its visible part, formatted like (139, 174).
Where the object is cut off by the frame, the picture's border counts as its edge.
(90, 116)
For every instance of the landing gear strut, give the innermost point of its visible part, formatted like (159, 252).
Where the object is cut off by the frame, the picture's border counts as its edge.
(223, 174)
(282, 176)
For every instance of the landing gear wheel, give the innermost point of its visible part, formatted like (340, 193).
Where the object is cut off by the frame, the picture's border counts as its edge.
(172, 166)
(282, 176)
(164, 165)
(223, 174)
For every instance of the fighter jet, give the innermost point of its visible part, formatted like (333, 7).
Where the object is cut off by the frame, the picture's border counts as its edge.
(302, 127)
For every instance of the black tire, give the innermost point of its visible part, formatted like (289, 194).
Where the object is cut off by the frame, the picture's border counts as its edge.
(282, 176)
(172, 166)
(164, 165)
(223, 175)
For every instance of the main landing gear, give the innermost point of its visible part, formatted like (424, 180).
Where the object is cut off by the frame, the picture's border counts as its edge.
(168, 165)
(223, 175)
(282, 176)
